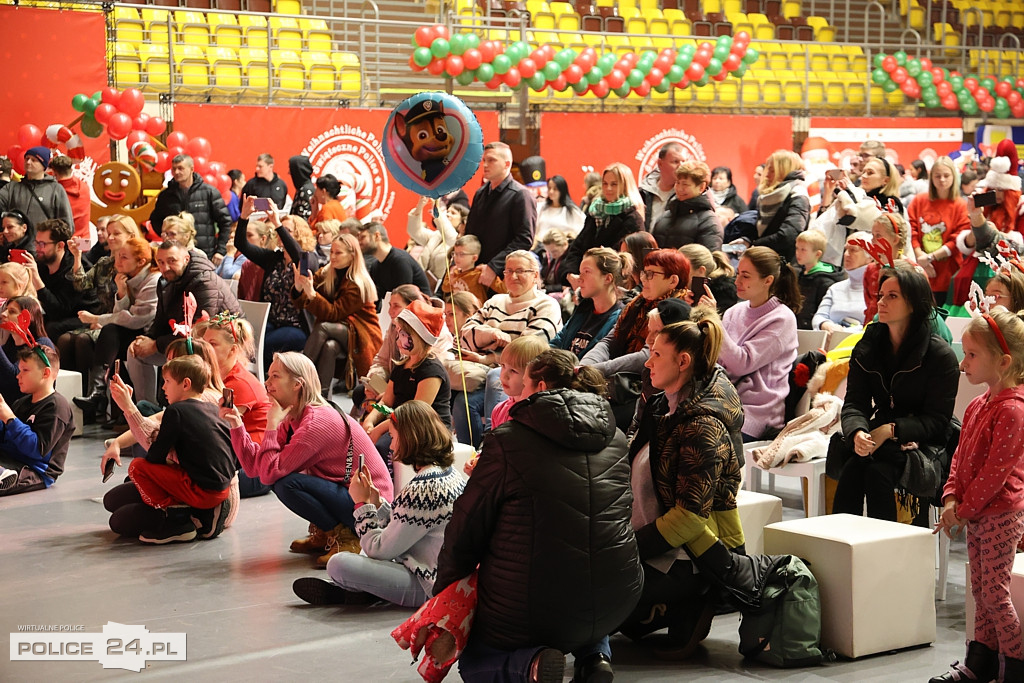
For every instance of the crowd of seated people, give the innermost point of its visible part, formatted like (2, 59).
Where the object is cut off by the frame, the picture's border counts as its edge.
(527, 329)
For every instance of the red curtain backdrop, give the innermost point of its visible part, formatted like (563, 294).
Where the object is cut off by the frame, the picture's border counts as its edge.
(48, 57)
(239, 133)
(571, 142)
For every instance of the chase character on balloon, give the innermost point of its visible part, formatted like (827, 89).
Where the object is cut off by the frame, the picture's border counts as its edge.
(424, 131)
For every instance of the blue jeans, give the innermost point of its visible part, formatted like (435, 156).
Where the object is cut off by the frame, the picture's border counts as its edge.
(324, 503)
(469, 429)
(278, 339)
(387, 579)
(493, 393)
(485, 664)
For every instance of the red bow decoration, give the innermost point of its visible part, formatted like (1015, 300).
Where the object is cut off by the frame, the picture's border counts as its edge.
(21, 328)
(184, 328)
(879, 250)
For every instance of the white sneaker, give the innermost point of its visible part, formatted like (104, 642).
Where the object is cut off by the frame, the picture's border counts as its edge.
(8, 478)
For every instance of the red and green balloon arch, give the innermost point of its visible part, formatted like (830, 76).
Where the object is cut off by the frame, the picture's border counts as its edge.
(936, 87)
(468, 58)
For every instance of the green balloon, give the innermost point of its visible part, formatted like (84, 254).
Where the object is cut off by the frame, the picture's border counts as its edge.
(440, 48)
(502, 64)
(741, 71)
(90, 106)
(522, 48)
(969, 107)
(721, 53)
(704, 80)
(649, 56)
(925, 78)
(606, 62)
(931, 102)
(421, 56)
(564, 58)
(98, 96)
(472, 40)
(675, 74)
(913, 67)
(877, 61)
(484, 73)
(890, 86)
(663, 85)
(464, 78)
(635, 78)
(78, 102)
(901, 57)
(957, 82)
(412, 40)
(622, 91)
(879, 76)
(580, 86)
(987, 84)
(751, 56)
(551, 70)
(714, 67)
(537, 81)
(594, 76)
(458, 44)
(90, 127)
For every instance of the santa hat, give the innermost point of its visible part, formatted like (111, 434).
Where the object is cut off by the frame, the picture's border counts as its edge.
(1002, 174)
(425, 319)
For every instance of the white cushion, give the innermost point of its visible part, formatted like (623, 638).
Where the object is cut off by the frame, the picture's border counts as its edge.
(757, 510)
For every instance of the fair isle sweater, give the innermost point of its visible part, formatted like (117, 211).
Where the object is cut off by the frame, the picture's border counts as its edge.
(758, 352)
(532, 313)
(412, 530)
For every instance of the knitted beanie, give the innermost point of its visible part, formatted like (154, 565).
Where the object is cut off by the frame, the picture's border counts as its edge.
(42, 154)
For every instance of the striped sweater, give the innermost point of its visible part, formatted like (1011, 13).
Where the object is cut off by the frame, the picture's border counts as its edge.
(412, 530)
(532, 313)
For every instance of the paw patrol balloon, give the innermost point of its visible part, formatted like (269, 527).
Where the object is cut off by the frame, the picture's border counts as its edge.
(432, 144)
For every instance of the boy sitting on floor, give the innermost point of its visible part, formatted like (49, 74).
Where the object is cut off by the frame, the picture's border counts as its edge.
(181, 487)
(817, 275)
(35, 431)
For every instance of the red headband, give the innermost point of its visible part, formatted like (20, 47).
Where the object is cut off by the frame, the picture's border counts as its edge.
(996, 331)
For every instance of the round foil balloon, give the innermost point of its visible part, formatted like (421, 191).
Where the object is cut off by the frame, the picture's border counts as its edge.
(432, 144)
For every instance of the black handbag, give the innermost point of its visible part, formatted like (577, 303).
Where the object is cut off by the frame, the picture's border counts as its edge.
(922, 474)
(837, 456)
(624, 388)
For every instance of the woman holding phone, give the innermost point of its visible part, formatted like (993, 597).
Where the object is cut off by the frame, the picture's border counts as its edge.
(401, 541)
(18, 237)
(287, 329)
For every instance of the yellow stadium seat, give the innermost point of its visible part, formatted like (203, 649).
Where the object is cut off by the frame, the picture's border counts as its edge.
(568, 22)
(156, 66)
(568, 39)
(658, 26)
(771, 92)
(289, 73)
(128, 26)
(345, 60)
(288, 7)
(750, 91)
(793, 92)
(628, 12)
(646, 5)
(287, 34)
(127, 67)
(225, 30)
(791, 9)
(318, 35)
(682, 27)
(544, 21)
(895, 98)
(917, 18)
(534, 6)
(841, 63)
(877, 95)
(321, 73)
(192, 28)
(254, 28)
(628, 4)
(257, 68)
(856, 93)
(822, 31)
(819, 63)
(225, 70)
(712, 6)
(776, 60)
(798, 61)
(636, 25)
(731, 7)
(192, 67)
(559, 8)
(728, 92)
(835, 93)
(156, 23)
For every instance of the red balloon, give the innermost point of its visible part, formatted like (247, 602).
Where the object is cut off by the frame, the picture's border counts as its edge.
(199, 147)
(732, 62)
(175, 151)
(655, 76)
(425, 36)
(487, 51)
(559, 83)
(971, 84)
(119, 125)
(1013, 98)
(643, 90)
(926, 64)
(223, 182)
(684, 82)
(494, 83)
(663, 63)
(472, 59)
(899, 75)
(1018, 110)
(539, 57)
(889, 64)
(217, 167)
(600, 88)
(703, 57)
(950, 102)
(695, 71)
(163, 162)
(513, 77)
(943, 88)
(136, 136)
(441, 31)
(210, 179)
(1003, 88)
(414, 66)
(110, 96)
(29, 136)
(131, 102)
(527, 67)
(177, 139)
(615, 79)
(987, 105)
(16, 153)
(104, 112)
(573, 74)
(741, 36)
(436, 67)
(200, 164)
(549, 50)
(722, 75)
(454, 65)
(156, 126)
(140, 122)
(937, 75)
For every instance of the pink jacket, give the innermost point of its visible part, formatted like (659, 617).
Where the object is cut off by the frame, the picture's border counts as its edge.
(987, 473)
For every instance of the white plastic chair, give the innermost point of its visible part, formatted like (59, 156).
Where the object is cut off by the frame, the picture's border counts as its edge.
(257, 313)
(810, 340)
(813, 471)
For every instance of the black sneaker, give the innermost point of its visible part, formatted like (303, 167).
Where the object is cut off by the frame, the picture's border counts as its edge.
(320, 592)
(209, 523)
(548, 666)
(176, 528)
(596, 668)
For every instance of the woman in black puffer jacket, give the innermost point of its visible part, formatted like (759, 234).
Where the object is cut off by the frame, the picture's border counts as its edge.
(546, 516)
(688, 216)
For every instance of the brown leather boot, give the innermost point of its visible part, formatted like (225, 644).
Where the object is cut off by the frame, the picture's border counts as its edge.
(339, 539)
(316, 542)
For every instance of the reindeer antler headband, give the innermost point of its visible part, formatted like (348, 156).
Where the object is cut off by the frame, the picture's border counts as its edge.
(226, 319)
(879, 250)
(22, 328)
(1005, 257)
(184, 328)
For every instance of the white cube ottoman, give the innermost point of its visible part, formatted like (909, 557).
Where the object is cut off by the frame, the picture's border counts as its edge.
(1016, 591)
(757, 510)
(877, 579)
(69, 385)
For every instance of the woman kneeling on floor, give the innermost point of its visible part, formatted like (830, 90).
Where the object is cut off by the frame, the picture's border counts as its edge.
(311, 457)
(402, 541)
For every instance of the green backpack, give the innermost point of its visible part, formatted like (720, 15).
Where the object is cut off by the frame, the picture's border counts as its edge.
(786, 630)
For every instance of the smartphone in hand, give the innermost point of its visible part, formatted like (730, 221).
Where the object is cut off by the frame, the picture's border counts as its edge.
(697, 284)
(985, 199)
(362, 461)
(304, 264)
(835, 174)
(228, 398)
(108, 470)
(20, 256)
(262, 204)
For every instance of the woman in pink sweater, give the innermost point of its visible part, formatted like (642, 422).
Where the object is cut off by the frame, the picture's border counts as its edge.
(759, 346)
(311, 457)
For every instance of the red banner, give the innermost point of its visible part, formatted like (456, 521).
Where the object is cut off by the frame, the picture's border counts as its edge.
(49, 57)
(904, 139)
(573, 144)
(335, 140)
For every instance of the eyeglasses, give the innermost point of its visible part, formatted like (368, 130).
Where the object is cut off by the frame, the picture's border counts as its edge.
(649, 274)
(518, 272)
(43, 243)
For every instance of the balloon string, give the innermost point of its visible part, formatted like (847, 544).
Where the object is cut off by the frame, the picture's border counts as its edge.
(458, 332)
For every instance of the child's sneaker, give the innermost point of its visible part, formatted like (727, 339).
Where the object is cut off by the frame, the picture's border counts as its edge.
(177, 527)
(8, 478)
(210, 523)
(320, 592)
